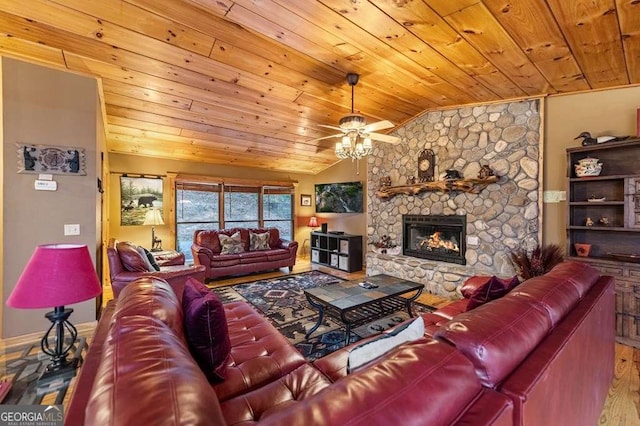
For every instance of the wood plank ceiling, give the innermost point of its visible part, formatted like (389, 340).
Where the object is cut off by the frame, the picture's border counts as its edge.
(248, 82)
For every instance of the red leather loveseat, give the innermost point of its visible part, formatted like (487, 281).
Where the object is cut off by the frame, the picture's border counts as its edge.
(542, 354)
(208, 251)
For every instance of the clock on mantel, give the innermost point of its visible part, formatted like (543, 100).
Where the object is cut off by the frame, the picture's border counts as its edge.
(426, 160)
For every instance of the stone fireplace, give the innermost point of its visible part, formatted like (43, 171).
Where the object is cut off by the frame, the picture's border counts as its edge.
(435, 237)
(500, 218)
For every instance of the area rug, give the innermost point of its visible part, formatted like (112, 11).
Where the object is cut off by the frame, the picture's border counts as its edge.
(20, 368)
(282, 301)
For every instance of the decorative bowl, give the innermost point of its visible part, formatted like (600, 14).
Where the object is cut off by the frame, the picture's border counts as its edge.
(588, 167)
(582, 249)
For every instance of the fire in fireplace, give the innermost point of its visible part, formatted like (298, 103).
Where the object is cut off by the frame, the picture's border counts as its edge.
(435, 237)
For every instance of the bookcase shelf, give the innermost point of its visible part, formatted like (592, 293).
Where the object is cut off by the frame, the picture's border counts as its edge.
(339, 251)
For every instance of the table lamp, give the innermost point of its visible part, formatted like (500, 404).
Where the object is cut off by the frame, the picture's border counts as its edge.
(313, 222)
(153, 217)
(55, 276)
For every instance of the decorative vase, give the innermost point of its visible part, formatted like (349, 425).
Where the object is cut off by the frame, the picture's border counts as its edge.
(588, 167)
(582, 249)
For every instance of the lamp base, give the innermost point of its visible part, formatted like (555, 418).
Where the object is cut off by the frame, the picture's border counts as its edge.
(62, 373)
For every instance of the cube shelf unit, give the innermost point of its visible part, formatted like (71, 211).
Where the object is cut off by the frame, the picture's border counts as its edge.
(339, 251)
(614, 196)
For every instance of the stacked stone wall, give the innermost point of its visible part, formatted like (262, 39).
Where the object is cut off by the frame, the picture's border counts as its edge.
(503, 217)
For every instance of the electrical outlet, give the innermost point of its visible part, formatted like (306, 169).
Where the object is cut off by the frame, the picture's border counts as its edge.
(73, 229)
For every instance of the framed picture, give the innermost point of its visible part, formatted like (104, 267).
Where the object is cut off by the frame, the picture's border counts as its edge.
(305, 199)
(140, 201)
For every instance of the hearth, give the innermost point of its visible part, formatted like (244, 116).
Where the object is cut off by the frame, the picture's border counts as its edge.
(435, 237)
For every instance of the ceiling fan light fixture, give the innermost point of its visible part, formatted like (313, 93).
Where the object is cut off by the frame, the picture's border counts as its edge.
(352, 121)
(367, 143)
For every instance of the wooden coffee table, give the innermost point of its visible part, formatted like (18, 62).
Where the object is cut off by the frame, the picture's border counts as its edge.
(354, 305)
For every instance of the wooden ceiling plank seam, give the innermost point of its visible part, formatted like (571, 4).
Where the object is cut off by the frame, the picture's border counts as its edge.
(143, 22)
(404, 43)
(27, 50)
(92, 49)
(115, 36)
(137, 92)
(477, 24)
(419, 19)
(400, 66)
(381, 61)
(585, 27)
(232, 33)
(226, 144)
(629, 22)
(534, 29)
(189, 123)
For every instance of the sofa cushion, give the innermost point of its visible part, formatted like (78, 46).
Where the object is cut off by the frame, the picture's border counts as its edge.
(281, 394)
(131, 259)
(492, 289)
(472, 284)
(231, 244)
(581, 275)
(147, 376)
(206, 329)
(259, 241)
(497, 336)
(259, 352)
(373, 349)
(151, 297)
(250, 257)
(278, 254)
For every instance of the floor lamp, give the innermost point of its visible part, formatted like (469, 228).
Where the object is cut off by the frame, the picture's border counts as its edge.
(55, 276)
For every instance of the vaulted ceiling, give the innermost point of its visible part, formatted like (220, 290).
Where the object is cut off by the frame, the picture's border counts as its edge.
(249, 82)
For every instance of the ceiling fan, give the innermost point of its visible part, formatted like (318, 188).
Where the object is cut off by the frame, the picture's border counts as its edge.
(356, 134)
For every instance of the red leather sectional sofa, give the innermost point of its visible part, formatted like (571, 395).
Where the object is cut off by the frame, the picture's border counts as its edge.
(542, 354)
(206, 249)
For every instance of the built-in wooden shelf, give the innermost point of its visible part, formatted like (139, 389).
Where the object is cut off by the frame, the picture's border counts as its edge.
(473, 186)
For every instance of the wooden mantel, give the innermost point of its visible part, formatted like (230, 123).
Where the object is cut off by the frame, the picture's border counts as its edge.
(473, 186)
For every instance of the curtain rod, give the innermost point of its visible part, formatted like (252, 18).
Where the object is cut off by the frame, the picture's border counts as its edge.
(141, 175)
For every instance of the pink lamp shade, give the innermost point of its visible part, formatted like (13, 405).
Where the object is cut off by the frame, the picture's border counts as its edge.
(313, 222)
(56, 275)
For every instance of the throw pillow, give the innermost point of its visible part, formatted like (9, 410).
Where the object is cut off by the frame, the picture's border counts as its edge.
(143, 254)
(258, 242)
(206, 329)
(231, 244)
(493, 289)
(131, 259)
(152, 259)
(367, 352)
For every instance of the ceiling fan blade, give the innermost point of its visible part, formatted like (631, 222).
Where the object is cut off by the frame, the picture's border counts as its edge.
(339, 135)
(379, 125)
(330, 127)
(384, 138)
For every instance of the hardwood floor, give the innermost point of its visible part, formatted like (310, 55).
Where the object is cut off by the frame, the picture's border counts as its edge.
(622, 407)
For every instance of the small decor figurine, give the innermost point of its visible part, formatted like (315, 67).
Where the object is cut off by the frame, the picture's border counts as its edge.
(411, 180)
(385, 182)
(604, 221)
(485, 172)
(588, 140)
(452, 174)
(589, 222)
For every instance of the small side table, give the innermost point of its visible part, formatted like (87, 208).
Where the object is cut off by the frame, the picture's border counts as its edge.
(168, 257)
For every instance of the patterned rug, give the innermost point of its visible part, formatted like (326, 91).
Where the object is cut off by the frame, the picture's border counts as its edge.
(20, 368)
(283, 302)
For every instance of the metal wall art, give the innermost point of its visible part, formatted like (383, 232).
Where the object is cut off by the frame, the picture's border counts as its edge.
(59, 160)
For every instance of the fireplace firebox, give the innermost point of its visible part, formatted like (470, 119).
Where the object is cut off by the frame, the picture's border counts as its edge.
(435, 237)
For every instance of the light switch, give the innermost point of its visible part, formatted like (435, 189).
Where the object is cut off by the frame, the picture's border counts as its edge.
(73, 229)
(472, 240)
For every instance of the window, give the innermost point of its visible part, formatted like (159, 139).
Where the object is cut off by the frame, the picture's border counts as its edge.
(197, 207)
(218, 206)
